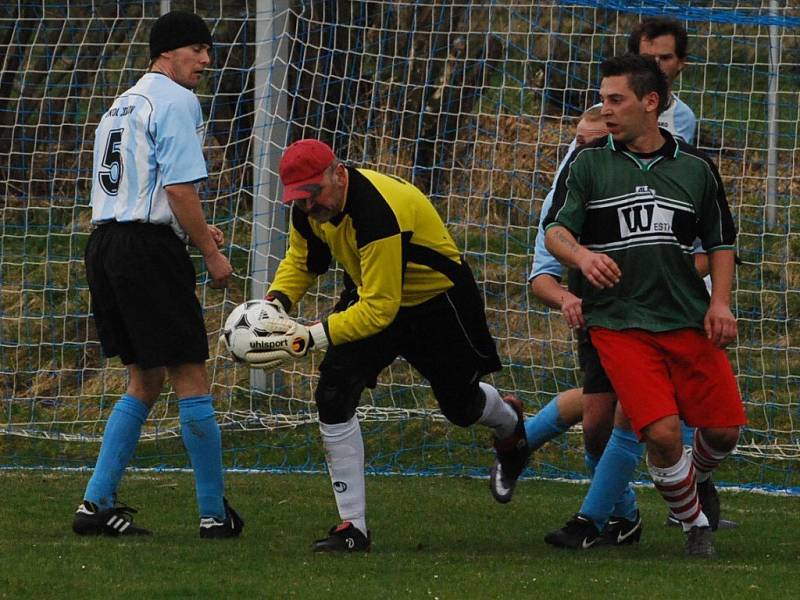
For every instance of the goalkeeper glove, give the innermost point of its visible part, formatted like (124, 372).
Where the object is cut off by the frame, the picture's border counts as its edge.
(275, 302)
(286, 339)
(274, 309)
(277, 305)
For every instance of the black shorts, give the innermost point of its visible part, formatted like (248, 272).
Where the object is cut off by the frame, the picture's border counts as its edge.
(142, 284)
(595, 380)
(446, 339)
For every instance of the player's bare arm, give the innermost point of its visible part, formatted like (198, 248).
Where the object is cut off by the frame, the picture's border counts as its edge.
(701, 263)
(185, 204)
(720, 324)
(553, 294)
(599, 269)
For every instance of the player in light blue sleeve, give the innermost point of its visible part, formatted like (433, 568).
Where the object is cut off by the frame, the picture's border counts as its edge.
(665, 40)
(594, 402)
(571, 406)
(148, 157)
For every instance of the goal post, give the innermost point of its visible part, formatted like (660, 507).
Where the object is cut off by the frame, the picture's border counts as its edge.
(475, 103)
(268, 137)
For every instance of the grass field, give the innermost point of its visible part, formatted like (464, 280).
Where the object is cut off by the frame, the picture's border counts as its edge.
(433, 538)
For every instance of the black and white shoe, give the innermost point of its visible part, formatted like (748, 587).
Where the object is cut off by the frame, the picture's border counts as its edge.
(511, 456)
(579, 533)
(231, 526)
(700, 543)
(90, 520)
(709, 501)
(502, 487)
(343, 538)
(622, 532)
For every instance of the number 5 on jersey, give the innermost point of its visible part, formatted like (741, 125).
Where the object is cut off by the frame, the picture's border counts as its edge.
(110, 171)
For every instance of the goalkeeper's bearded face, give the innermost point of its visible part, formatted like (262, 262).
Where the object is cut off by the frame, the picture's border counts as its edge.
(327, 198)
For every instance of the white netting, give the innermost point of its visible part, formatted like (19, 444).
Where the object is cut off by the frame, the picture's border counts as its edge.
(474, 102)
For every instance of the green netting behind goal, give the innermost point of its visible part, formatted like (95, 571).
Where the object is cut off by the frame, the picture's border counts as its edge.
(474, 102)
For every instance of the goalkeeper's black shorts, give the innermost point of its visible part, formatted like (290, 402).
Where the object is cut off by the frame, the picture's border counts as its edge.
(142, 284)
(446, 339)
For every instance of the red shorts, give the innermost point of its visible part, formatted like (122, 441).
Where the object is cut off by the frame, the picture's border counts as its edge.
(668, 373)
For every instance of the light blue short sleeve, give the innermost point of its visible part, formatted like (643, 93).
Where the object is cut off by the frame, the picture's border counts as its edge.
(545, 263)
(685, 121)
(179, 150)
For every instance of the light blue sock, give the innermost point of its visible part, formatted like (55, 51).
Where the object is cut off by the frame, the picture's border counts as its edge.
(590, 460)
(119, 442)
(610, 491)
(687, 434)
(545, 425)
(203, 442)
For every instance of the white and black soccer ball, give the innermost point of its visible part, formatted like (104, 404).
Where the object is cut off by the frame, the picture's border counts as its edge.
(241, 326)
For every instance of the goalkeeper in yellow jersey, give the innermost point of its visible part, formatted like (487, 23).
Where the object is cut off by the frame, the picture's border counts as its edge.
(407, 293)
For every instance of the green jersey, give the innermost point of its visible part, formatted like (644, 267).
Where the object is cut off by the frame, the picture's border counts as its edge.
(644, 211)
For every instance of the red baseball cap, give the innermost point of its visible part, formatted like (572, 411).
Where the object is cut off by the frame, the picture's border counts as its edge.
(303, 163)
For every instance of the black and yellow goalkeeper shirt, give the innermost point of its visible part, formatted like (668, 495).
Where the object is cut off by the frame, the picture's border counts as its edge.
(390, 241)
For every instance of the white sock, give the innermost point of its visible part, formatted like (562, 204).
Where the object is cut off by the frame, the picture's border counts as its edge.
(497, 413)
(344, 453)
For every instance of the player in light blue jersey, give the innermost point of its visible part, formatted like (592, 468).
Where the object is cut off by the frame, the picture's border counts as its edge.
(679, 118)
(665, 40)
(148, 158)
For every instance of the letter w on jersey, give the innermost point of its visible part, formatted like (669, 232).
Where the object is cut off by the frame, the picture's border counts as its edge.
(644, 218)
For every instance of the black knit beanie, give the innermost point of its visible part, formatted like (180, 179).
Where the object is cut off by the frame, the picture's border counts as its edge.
(177, 29)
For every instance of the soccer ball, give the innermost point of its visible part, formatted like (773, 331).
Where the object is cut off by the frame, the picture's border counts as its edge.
(241, 326)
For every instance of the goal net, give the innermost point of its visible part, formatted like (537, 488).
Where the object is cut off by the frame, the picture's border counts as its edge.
(475, 103)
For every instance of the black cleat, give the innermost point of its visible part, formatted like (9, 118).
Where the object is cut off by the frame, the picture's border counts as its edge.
(622, 532)
(512, 454)
(709, 501)
(212, 528)
(90, 520)
(578, 534)
(700, 543)
(502, 487)
(343, 538)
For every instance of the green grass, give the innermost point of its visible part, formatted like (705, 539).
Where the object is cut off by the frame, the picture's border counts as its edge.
(433, 538)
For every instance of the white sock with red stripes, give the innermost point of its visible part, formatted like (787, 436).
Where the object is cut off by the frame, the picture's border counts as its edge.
(704, 458)
(678, 487)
